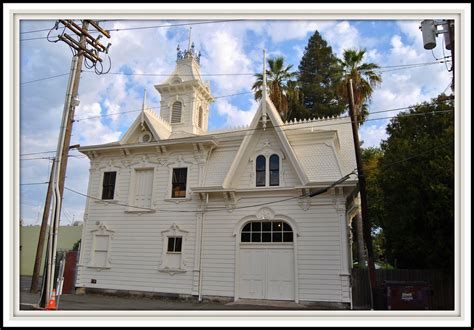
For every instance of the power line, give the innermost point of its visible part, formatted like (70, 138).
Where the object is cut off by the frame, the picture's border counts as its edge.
(123, 112)
(296, 128)
(223, 208)
(37, 153)
(394, 68)
(183, 75)
(31, 184)
(41, 79)
(143, 27)
(37, 158)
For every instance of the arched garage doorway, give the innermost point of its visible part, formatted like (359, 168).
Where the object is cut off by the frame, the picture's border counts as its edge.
(266, 259)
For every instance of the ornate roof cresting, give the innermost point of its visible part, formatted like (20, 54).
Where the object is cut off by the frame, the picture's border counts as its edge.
(188, 53)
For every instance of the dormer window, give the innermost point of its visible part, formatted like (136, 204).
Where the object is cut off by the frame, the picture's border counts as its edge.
(176, 81)
(274, 170)
(262, 179)
(176, 112)
(260, 169)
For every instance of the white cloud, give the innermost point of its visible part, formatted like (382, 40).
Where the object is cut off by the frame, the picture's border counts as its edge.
(225, 54)
(94, 131)
(372, 134)
(280, 31)
(234, 116)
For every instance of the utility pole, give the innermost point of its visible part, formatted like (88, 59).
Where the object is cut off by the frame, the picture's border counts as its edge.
(42, 235)
(450, 46)
(429, 30)
(363, 194)
(60, 164)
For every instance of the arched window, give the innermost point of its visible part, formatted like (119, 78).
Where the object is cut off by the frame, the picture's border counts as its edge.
(260, 169)
(274, 170)
(266, 232)
(200, 119)
(176, 112)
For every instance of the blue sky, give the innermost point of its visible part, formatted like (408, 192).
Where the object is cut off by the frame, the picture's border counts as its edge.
(226, 47)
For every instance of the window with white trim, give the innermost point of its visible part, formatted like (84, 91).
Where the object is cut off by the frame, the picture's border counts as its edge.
(271, 177)
(260, 171)
(178, 182)
(274, 170)
(101, 250)
(266, 232)
(175, 244)
(101, 245)
(176, 112)
(172, 258)
(143, 187)
(108, 185)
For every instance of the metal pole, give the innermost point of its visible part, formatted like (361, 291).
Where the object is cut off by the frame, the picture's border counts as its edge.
(42, 235)
(61, 158)
(56, 196)
(363, 194)
(451, 36)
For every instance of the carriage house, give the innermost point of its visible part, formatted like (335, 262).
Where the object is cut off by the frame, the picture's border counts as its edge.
(177, 209)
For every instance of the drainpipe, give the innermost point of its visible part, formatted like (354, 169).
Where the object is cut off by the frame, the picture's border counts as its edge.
(200, 248)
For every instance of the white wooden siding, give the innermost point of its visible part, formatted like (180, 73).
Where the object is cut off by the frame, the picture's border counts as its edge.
(136, 248)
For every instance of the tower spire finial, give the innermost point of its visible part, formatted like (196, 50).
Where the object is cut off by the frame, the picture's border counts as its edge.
(189, 43)
(264, 73)
(142, 115)
(144, 100)
(264, 91)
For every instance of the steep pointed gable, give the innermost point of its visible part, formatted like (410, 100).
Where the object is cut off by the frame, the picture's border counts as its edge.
(268, 113)
(147, 120)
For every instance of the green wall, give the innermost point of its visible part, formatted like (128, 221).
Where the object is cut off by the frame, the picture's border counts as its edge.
(67, 236)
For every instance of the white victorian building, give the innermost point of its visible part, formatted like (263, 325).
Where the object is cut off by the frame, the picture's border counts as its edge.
(176, 209)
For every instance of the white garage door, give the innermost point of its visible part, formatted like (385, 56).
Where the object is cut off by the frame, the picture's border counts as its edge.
(266, 261)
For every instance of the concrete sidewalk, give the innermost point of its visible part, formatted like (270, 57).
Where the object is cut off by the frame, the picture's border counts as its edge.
(104, 302)
(94, 302)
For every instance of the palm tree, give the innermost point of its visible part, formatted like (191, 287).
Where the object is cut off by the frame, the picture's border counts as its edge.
(294, 96)
(364, 80)
(277, 77)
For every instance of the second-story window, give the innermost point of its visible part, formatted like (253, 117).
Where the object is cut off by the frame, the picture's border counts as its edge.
(260, 170)
(108, 185)
(143, 187)
(176, 112)
(178, 183)
(274, 167)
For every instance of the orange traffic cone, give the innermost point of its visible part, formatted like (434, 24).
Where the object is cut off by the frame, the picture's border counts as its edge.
(52, 302)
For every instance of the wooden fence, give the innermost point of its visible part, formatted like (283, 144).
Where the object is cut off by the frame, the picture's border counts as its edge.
(441, 284)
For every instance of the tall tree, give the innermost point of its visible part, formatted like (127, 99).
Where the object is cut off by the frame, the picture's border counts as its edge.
(319, 75)
(278, 76)
(295, 101)
(416, 174)
(364, 80)
(371, 157)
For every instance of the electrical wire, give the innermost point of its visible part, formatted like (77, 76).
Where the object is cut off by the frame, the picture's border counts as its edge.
(346, 177)
(90, 66)
(289, 124)
(41, 79)
(143, 27)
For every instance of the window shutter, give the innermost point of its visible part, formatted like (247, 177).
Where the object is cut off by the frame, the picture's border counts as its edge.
(200, 117)
(176, 112)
